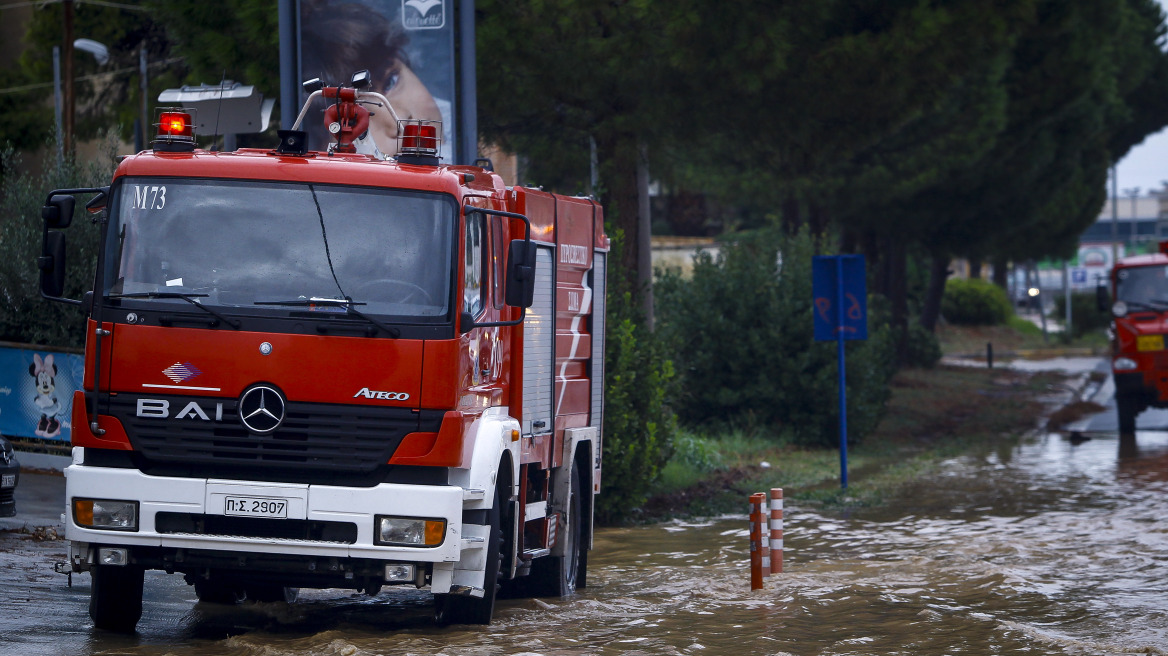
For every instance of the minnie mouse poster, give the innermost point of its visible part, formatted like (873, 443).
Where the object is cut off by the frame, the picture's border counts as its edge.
(44, 372)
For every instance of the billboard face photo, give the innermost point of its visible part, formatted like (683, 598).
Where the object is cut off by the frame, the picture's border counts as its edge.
(408, 48)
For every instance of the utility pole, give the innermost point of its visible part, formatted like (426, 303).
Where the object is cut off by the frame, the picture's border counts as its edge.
(1114, 215)
(1133, 193)
(67, 55)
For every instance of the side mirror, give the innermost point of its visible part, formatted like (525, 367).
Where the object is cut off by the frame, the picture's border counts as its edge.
(52, 264)
(521, 274)
(58, 213)
(1102, 298)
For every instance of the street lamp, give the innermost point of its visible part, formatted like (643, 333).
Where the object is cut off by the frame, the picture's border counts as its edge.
(98, 50)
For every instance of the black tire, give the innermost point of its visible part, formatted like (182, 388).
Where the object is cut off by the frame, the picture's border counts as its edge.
(270, 592)
(115, 600)
(217, 591)
(558, 576)
(1127, 408)
(459, 609)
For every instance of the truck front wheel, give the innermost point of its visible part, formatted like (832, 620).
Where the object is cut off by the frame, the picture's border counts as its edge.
(459, 609)
(1127, 408)
(115, 600)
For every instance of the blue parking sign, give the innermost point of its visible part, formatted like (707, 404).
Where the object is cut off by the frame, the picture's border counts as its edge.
(827, 295)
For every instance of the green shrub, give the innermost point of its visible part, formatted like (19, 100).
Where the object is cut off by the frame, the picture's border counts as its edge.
(1085, 314)
(922, 348)
(741, 328)
(975, 302)
(640, 386)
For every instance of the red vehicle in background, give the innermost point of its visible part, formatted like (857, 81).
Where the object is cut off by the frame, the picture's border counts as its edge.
(1139, 361)
(332, 370)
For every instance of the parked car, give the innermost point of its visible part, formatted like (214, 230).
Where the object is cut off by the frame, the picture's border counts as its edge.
(9, 477)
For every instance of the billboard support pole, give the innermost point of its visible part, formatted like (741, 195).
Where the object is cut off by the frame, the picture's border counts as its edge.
(468, 98)
(289, 79)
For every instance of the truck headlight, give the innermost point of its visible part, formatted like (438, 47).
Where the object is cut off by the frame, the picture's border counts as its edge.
(410, 531)
(108, 514)
(1124, 364)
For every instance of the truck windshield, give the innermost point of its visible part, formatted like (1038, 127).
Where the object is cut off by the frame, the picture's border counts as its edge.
(1146, 285)
(248, 243)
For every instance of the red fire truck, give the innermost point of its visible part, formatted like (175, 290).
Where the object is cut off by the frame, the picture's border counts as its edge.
(332, 370)
(1139, 361)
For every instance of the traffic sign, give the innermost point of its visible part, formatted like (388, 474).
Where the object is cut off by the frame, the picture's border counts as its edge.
(828, 296)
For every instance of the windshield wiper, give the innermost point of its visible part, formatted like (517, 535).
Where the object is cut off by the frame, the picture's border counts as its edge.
(336, 302)
(1153, 304)
(189, 298)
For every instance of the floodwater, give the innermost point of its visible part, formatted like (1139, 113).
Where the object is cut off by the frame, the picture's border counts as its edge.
(1051, 548)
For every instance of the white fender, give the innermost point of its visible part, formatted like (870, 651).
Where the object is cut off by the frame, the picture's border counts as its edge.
(492, 438)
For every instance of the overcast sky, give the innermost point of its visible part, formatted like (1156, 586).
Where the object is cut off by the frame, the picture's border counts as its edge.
(1146, 165)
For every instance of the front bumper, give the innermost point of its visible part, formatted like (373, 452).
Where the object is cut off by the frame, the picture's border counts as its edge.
(160, 540)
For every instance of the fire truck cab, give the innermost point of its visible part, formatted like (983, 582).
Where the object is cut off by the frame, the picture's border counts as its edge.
(333, 370)
(1139, 361)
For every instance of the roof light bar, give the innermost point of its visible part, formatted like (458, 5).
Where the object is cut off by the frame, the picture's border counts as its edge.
(419, 139)
(176, 130)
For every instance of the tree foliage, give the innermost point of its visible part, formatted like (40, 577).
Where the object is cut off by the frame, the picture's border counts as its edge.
(742, 332)
(24, 316)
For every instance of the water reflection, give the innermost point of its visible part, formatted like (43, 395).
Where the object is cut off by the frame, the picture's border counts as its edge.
(1053, 548)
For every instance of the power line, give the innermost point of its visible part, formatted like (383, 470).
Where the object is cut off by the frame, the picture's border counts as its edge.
(99, 3)
(92, 76)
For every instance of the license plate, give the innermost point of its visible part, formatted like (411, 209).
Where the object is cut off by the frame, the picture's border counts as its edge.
(256, 507)
(8, 480)
(1150, 342)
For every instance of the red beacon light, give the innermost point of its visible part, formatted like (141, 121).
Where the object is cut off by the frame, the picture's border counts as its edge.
(176, 131)
(419, 141)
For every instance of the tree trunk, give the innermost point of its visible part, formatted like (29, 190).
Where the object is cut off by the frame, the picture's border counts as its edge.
(818, 218)
(938, 273)
(644, 234)
(975, 267)
(1001, 271)
(897, 266)
(619, 157)
(792, 221)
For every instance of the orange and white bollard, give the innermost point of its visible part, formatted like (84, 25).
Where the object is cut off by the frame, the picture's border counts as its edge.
(756, 537)
(776, 526)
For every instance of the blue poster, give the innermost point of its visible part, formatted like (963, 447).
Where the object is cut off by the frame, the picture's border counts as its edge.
(36, 392)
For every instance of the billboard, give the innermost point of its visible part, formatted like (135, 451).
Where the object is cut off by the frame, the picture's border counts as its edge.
(36, 392)
(408, 48)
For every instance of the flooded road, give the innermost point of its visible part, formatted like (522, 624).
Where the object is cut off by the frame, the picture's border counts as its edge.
(1051, 548)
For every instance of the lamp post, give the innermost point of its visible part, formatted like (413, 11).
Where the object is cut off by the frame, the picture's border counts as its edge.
(1133, 193)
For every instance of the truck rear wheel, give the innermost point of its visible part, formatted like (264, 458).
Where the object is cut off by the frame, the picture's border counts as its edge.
(556, 576)
(1128, 408)
(115, 600)
(459, 609)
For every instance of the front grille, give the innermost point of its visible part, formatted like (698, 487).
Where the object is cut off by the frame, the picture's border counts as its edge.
(315, 438)
(301, 530)
(7, 495)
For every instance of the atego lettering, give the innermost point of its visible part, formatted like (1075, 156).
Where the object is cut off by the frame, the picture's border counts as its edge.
(367, 393)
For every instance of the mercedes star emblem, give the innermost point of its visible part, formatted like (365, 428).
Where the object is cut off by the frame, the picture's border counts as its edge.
(261, 409)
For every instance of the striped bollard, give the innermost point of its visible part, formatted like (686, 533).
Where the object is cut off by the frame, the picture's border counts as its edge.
(756, 504)
(776, 526)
